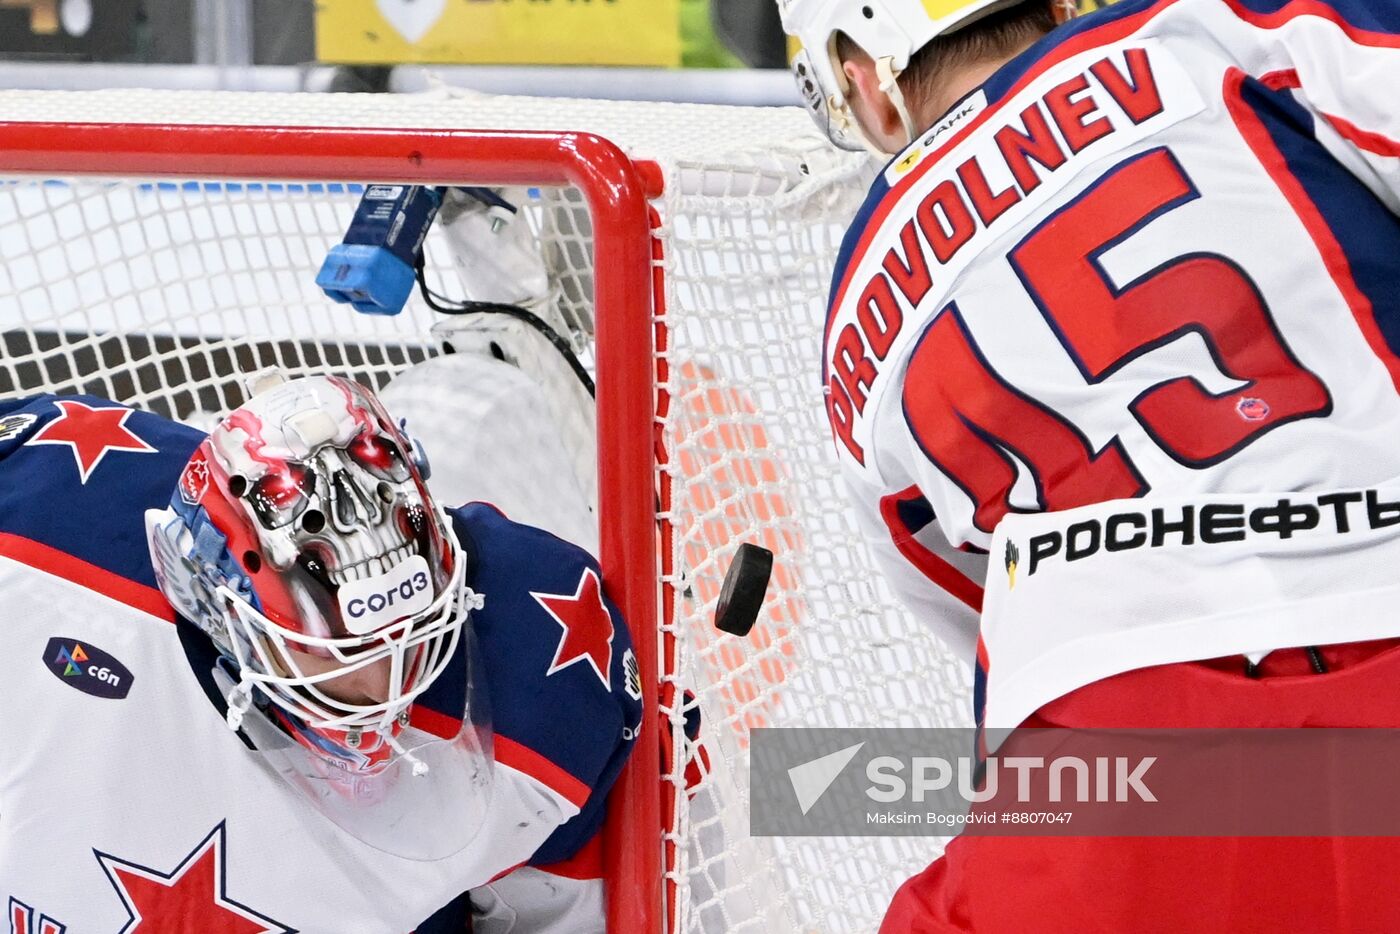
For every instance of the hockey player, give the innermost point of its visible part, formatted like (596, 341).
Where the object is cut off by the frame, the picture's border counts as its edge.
(284, 690)
(1149, 253)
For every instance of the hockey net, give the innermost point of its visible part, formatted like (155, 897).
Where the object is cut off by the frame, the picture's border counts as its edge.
(150, 256)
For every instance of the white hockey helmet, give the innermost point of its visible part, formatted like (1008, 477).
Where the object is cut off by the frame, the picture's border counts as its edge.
(891, 31)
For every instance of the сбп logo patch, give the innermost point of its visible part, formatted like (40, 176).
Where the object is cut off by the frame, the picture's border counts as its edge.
(89, 669)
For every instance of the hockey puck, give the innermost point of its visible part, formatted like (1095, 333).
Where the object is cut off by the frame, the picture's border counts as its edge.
(741, 597)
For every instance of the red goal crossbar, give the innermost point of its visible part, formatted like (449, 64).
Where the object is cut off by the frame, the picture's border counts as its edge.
(617, 191)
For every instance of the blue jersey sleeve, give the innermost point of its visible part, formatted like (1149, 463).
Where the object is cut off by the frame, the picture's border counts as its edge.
(78, 473)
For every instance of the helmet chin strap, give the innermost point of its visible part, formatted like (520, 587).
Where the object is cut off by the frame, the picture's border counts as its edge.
(889, 85)
(239, 700)
(420, 768)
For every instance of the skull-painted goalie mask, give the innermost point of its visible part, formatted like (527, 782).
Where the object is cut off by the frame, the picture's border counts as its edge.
(303, 540)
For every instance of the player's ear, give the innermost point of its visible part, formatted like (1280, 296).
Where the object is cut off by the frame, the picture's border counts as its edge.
(869, 102)
(854, 73)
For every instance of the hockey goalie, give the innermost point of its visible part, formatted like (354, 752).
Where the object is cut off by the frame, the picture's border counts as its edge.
(262, 682)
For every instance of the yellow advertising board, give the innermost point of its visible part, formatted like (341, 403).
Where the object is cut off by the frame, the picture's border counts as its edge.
(534, 32)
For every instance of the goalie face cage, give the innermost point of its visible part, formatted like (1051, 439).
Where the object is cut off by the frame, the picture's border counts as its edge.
(702, 256)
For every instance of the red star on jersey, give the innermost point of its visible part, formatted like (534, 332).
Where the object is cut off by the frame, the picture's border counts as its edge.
(588, 628)
(189, 897)
(91, 433)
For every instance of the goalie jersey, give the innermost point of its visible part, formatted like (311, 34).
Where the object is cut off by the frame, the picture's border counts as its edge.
(127, 804)
(1155, 255)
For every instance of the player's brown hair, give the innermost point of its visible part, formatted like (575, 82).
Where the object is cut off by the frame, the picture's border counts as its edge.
(997, 35)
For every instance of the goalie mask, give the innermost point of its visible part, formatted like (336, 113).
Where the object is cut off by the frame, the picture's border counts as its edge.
(303, 540)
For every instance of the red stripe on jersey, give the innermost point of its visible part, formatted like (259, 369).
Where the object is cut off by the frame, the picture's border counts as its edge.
(585, 865)
(41, 557)
(434, 721)
(504, 872)
(1298, 8)
(525, 760)
(1364, 139)
(1109, 32)
(1333, 257)
(1287, 80)
(929, 564)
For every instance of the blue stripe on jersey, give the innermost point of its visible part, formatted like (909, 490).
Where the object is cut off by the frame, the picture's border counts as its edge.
(849, 242)
(1361, 14)
(979, 695)
(573, 835)
(1369, 234)
(915, 514)
(877, 193)
(453, 918)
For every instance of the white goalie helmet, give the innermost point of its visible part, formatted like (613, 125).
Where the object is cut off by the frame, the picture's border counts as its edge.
(303, 541)
(891, 31)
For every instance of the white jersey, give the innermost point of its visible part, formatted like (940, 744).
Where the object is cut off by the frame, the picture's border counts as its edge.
(1082, 594)
(126, 803)
(1155, 255)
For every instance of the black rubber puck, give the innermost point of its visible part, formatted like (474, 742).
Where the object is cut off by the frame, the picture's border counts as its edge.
(741, 598)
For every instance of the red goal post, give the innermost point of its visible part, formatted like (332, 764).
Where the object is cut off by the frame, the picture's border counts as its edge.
(616, 189)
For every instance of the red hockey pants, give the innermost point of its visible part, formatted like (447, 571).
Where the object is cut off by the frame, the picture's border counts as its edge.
(1200, 885)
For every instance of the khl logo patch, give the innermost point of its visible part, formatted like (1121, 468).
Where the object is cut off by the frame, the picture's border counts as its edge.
(12, 426)
(83, 666)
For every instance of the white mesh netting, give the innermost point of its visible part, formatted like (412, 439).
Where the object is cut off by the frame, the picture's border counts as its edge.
(160, 293)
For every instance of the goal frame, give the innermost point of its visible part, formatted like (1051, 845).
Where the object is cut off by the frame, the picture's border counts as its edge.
(627, 297)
